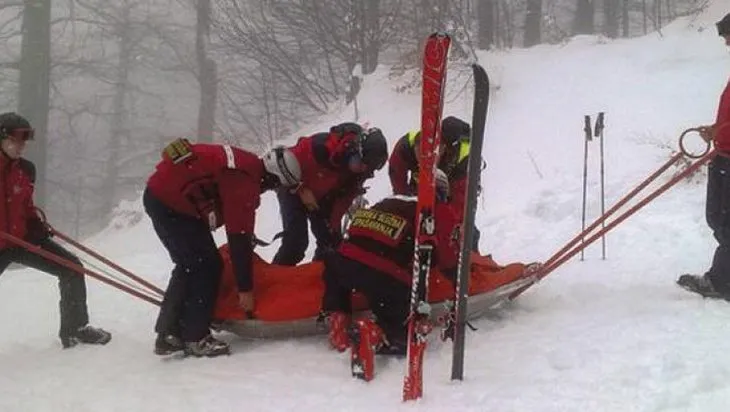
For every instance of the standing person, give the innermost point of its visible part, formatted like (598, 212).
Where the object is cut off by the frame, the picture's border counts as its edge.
(376, 260)
(334, 165)
(18, 217)
(195, 189)
(715, 283)
(454, 161)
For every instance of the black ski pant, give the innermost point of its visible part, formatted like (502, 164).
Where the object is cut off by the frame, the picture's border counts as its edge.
(189, 302)
(72, 285)
(718, 218)
(295, 235)
(388, 298)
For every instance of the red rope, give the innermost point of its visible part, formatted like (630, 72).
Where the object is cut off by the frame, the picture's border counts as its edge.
(76, 268)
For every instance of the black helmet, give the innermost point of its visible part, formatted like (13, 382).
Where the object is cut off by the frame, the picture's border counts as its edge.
(454, 130)
(723, 26)
(12, 122)
(374, 149)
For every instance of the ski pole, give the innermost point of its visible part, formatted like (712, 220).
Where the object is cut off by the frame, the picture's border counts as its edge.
(669, 163)
(674, 159)
(587, 130)
(598, 132)
(564, 255)
(663, 188)
(76, 268)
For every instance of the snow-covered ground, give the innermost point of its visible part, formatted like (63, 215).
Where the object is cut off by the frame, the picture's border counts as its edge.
(596, 335)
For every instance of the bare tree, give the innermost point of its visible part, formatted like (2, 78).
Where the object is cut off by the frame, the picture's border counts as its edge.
(533, 18)
(207, 73)
(611, 18)
(583, 22)
(124, 52)
(34, 82)
(486, 23)
(303, 52)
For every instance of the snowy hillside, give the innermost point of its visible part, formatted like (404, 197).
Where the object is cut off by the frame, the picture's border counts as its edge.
(613, 335)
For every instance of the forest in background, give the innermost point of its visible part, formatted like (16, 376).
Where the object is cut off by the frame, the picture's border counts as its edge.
(106, 84)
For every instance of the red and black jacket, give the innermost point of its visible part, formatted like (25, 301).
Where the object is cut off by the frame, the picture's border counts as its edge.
(220, 185)
(722, 123)
(322, 159)
(382, 237)
(18, 215)
(403, 169)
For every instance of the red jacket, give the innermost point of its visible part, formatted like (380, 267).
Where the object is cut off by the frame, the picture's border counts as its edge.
(17, 212)
(382, 237)
(722, 124)
(403, 161)
(220, 185)
(326, 174)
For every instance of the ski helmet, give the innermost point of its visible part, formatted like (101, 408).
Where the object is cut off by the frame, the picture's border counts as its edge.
(282, 163)
(723, 26)
(453, 130)
(13, 123)
(374, 149)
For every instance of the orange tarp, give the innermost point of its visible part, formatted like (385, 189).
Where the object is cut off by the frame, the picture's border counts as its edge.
(295, 292)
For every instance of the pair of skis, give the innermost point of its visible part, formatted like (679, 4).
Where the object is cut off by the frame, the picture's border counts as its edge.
(434, 80)
(419, 326)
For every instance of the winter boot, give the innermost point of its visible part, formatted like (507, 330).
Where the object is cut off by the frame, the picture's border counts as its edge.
(365, 339)
(393, 347)
(168, 344)
(86, 334)
(338, 322)
(208, 346)
(700, 285)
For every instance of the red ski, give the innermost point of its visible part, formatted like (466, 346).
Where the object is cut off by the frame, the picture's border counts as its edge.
(434, 79)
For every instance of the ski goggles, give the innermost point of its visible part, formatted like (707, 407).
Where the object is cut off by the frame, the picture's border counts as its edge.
(22, 134)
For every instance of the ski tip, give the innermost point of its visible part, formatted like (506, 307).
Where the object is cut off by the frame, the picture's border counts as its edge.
(440, 34)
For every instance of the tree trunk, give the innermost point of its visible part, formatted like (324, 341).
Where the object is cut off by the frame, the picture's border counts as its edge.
(34, 84)
(583, 22)
(370, 26)
(485, 23)
(625, 18)
(119, 130)
(207, 74)
(610, 14)
(533, 19)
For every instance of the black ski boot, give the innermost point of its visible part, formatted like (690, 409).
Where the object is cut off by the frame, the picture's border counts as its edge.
(168, 344)
(700, 285)
(208, 346)
(86, 334)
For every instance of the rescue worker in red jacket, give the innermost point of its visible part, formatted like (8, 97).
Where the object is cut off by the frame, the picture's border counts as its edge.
(194, 190)
(334, 166)
(454, 161)
(376, 260)
(18, 217)
(715, 283)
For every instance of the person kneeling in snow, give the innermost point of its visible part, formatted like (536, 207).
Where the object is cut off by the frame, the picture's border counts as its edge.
(20, 218)
(335, 166)
(196, 189)
(716, 282)
(376, 260)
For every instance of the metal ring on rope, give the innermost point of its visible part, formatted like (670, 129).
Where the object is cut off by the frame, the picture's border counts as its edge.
(683, 149)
